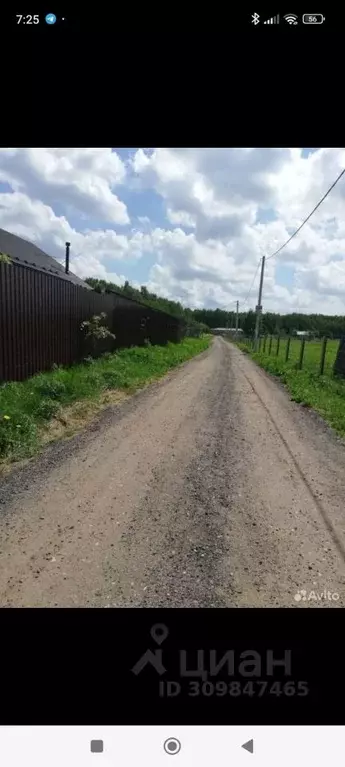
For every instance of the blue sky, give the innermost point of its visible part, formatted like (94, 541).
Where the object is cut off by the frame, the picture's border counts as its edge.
(186, 222)
(307, 151)
(5, 187)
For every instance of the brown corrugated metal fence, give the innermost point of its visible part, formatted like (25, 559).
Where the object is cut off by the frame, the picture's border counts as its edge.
(41, 314)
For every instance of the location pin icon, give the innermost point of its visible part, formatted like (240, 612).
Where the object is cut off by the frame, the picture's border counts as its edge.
(159, 632)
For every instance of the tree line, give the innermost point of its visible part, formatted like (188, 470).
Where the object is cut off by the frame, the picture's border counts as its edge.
(204, 319)
(273, 323)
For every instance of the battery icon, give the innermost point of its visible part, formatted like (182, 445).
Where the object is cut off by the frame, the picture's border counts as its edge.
(313, 18)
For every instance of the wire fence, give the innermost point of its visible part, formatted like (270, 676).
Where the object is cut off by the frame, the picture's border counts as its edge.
(317, 356)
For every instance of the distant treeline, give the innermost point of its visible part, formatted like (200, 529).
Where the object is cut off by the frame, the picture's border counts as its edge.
(202, 319)
(319, 324)
(285, 324)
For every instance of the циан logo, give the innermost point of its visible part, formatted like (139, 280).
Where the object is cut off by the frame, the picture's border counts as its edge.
(159, 633)
(208, 672)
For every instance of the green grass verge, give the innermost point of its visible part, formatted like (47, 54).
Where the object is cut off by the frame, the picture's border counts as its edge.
(325, 394)
(26, 407)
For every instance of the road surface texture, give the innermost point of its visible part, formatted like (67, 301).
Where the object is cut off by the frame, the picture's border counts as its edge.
(208, 488)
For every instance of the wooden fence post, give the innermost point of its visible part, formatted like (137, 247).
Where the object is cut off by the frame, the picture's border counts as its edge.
(264, 347)
(270, 345)
(323, 355)
(278, 344)
(287, 349)
(300, 363)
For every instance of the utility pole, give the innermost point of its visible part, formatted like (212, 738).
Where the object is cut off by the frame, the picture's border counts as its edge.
(259, 307)
(236, 334)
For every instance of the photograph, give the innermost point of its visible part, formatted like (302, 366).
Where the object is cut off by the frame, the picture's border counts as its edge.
(172, 377)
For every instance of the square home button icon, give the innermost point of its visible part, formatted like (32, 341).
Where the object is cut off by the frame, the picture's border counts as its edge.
(96, 746)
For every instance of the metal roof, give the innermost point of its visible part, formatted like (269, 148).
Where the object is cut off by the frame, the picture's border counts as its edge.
(28, 253)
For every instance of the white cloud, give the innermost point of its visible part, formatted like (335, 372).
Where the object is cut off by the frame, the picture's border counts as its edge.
(181, 217)
(217, 191)
(80, 179)
(90, 250)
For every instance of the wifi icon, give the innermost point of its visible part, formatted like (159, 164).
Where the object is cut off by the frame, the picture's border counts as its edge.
(291, 18)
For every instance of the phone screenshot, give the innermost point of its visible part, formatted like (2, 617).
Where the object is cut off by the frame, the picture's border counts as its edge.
(172, 391)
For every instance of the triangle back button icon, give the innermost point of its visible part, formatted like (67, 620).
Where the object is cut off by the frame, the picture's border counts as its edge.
(249, 746)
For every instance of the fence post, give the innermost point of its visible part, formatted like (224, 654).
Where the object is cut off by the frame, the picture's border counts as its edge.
(270, 345)
(278, 344)
(287, 349)
(300, 363)
(323, 355)
(264, 346)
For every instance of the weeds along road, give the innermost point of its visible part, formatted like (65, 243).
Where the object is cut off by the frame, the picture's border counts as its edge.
(209, 488)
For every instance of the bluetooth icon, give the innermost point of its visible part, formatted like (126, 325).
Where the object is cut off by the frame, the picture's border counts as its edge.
(255, 18)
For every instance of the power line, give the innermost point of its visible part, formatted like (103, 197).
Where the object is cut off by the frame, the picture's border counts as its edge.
(251, 287)
(262, 260)
(259, 306)
(308, 217)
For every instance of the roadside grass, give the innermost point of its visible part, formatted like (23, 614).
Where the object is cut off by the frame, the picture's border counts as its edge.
(325, 394)
(59, 402)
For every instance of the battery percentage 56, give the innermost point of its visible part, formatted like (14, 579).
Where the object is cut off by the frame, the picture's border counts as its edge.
(313, 18)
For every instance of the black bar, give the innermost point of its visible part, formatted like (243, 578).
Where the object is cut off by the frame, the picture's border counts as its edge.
(94, 666)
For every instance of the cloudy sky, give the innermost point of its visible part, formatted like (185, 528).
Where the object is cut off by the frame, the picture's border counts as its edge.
(190, 224)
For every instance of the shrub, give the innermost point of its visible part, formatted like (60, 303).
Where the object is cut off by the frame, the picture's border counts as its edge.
(96, 329)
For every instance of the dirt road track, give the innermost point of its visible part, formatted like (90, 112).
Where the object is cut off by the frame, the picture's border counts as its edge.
(209, 488)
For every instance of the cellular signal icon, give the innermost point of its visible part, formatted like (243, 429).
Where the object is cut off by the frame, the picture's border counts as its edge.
(272, 20)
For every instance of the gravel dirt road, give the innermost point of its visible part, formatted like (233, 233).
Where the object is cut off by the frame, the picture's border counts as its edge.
(208, 488)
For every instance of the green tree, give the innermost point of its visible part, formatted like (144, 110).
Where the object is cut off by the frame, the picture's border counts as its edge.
(144, 292)
(248, 323)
